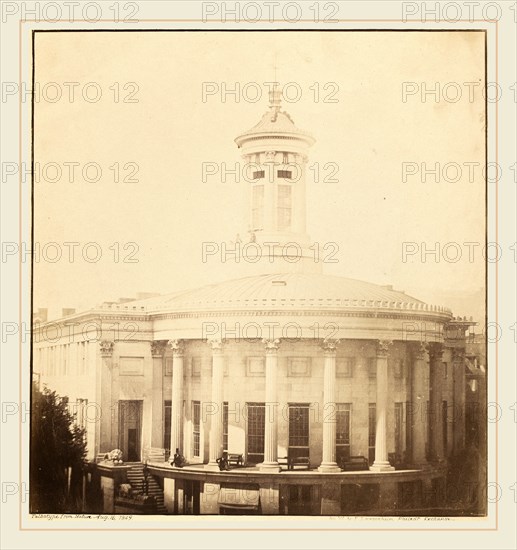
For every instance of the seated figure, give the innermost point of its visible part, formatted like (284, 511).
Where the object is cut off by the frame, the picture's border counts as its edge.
(178, 460)
(223, 462)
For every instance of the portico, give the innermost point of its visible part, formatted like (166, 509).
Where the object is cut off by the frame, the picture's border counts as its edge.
(281, 434)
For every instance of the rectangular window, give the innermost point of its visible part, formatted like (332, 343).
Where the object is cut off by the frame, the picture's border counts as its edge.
(225, 426)
(80, 412)
(284, 208)
(285, 174)
(256, 413)
(445, 370)
(372, 426)
(343, 411)
(298, 430)
(167, 414)
(259, 174)
(196, 428)
(257, 207)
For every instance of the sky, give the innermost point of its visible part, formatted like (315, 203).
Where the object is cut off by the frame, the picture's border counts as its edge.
(139, 104)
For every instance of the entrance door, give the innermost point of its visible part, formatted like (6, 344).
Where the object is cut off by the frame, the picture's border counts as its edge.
(130, 427)
(298, 430)
(256, 413)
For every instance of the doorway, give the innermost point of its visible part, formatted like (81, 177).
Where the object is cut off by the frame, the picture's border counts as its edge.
(130, 427)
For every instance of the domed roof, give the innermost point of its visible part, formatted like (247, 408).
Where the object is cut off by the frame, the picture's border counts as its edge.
(272, 123)
(285, 292)
(275, 123)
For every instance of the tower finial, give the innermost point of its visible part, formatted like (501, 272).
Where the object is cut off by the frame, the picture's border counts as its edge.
(275, 101)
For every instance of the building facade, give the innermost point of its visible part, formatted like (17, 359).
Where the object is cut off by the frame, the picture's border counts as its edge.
(333, 396)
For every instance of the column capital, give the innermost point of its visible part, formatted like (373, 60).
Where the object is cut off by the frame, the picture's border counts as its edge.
(271, 345)
(383, 347)
(177, 347)
(270, 156)
(419, 350)
(158, 347)
(217, 345)
(329, 346)
(435, 351)
(107, 348)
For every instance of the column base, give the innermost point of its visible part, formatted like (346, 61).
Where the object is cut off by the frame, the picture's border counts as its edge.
(329, 468)
(212, 467)
(269, 467)
(381, 467)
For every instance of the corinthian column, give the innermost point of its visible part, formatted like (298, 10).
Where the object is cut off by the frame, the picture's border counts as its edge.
(216, 424)
(418, 406)
(107, 438)
(177, 396)
(381, 463)
(329, 406)
(435, 402)
(270, 463)
(458, 369)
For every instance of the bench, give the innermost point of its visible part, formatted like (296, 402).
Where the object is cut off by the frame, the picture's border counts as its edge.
(235, 459)
(283, 462)
(302, 461)
(294, 461)
(354, 464)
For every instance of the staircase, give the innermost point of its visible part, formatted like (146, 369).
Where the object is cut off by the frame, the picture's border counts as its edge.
(135, 477)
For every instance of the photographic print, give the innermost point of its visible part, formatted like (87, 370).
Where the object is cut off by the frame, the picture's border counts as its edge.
(259, 273)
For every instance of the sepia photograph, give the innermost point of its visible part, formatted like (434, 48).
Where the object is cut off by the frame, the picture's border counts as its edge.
(259, 273)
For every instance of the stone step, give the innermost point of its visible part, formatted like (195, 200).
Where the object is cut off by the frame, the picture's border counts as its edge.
(136, 477)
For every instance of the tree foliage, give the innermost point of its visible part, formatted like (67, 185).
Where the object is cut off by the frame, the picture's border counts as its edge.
(57, 444)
